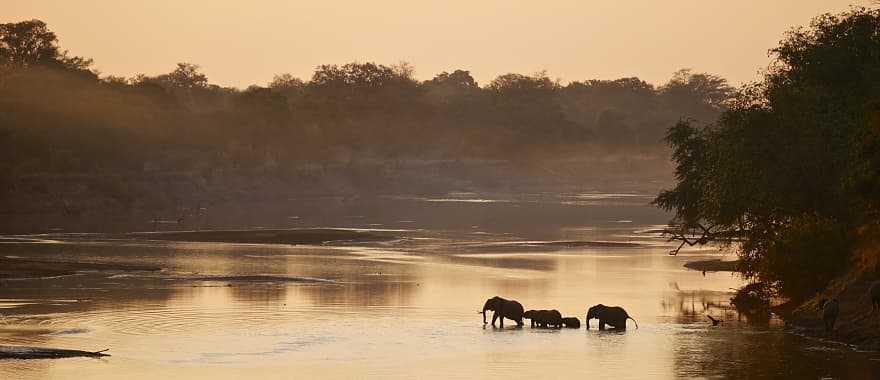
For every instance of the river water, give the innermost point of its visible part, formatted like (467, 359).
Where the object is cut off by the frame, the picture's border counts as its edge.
(408, 307)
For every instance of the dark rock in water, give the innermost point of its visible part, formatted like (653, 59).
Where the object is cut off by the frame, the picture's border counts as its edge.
(714, 265)
(25, 352)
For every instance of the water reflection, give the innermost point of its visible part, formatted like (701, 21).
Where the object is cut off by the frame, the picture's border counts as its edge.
(407, 309)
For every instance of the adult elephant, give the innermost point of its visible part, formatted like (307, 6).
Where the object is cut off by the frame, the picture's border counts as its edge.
(503, 308)
(613, 316)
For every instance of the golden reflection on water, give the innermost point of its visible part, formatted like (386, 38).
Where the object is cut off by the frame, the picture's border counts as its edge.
(393, 313)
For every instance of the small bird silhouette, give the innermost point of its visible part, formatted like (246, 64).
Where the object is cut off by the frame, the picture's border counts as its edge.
(715, 322)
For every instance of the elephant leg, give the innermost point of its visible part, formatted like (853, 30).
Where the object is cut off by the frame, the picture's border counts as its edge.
(501, 321)
(495, 317)
(601, 324)
(519, 322)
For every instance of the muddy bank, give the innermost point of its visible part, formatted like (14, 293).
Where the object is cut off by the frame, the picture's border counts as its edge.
(267, 236)
(16, 269)
(856, 326)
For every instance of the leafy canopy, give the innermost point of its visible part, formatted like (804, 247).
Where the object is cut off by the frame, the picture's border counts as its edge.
(790, 171)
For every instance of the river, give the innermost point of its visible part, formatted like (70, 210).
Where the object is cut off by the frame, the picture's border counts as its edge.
(406, 307)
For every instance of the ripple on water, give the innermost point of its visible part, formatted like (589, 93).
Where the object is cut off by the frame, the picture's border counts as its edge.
(185, 320)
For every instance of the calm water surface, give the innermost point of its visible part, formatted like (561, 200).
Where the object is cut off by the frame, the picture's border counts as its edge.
(406, 308)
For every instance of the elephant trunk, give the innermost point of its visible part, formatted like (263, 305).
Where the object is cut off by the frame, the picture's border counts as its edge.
(484, 315)
(588, 323)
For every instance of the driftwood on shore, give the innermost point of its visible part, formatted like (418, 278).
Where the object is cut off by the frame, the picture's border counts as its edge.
(25, 352)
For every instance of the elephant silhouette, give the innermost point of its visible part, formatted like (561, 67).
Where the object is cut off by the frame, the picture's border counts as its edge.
(544, 318)
(503, 308)
(614, 316)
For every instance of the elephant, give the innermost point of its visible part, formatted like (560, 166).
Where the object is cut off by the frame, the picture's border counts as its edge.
(614, 316)
(830, 311)
(571, 322)
(535, 317)
(544, 318)
(874, 294)
(503, 308)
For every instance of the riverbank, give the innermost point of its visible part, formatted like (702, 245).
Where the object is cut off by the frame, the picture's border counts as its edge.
(856, 326)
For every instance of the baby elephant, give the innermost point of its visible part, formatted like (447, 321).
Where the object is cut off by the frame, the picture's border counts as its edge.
(571, 322)
(613, 316)
(544, 318)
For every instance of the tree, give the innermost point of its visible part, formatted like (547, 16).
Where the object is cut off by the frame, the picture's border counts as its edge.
(285, 82)
(782, 176)
(457, 88)
(188, 76)
(28, 43)
(459, 79)
(31, 42)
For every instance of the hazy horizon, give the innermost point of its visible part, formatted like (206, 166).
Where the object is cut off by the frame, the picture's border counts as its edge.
(571, 40)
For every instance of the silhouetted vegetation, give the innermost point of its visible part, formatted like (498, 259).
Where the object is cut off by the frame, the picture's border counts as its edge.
(791, 171)
(74, 141)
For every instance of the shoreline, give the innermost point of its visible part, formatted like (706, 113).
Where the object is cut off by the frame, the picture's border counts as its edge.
(857, 326)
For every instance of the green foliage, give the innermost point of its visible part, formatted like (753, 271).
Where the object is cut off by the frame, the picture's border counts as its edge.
(784, 175)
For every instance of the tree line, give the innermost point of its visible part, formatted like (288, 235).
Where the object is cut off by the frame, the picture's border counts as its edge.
(59, 116)
(789, 177)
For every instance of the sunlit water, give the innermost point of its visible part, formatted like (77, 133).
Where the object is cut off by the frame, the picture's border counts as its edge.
(407, 308)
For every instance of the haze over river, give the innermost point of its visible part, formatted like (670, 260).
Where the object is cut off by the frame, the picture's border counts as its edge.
(406, 307)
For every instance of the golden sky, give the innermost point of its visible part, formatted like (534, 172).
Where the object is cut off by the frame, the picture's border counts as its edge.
(239, 43)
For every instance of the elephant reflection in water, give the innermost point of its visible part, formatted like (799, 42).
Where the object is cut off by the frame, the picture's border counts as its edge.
(503, 308)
